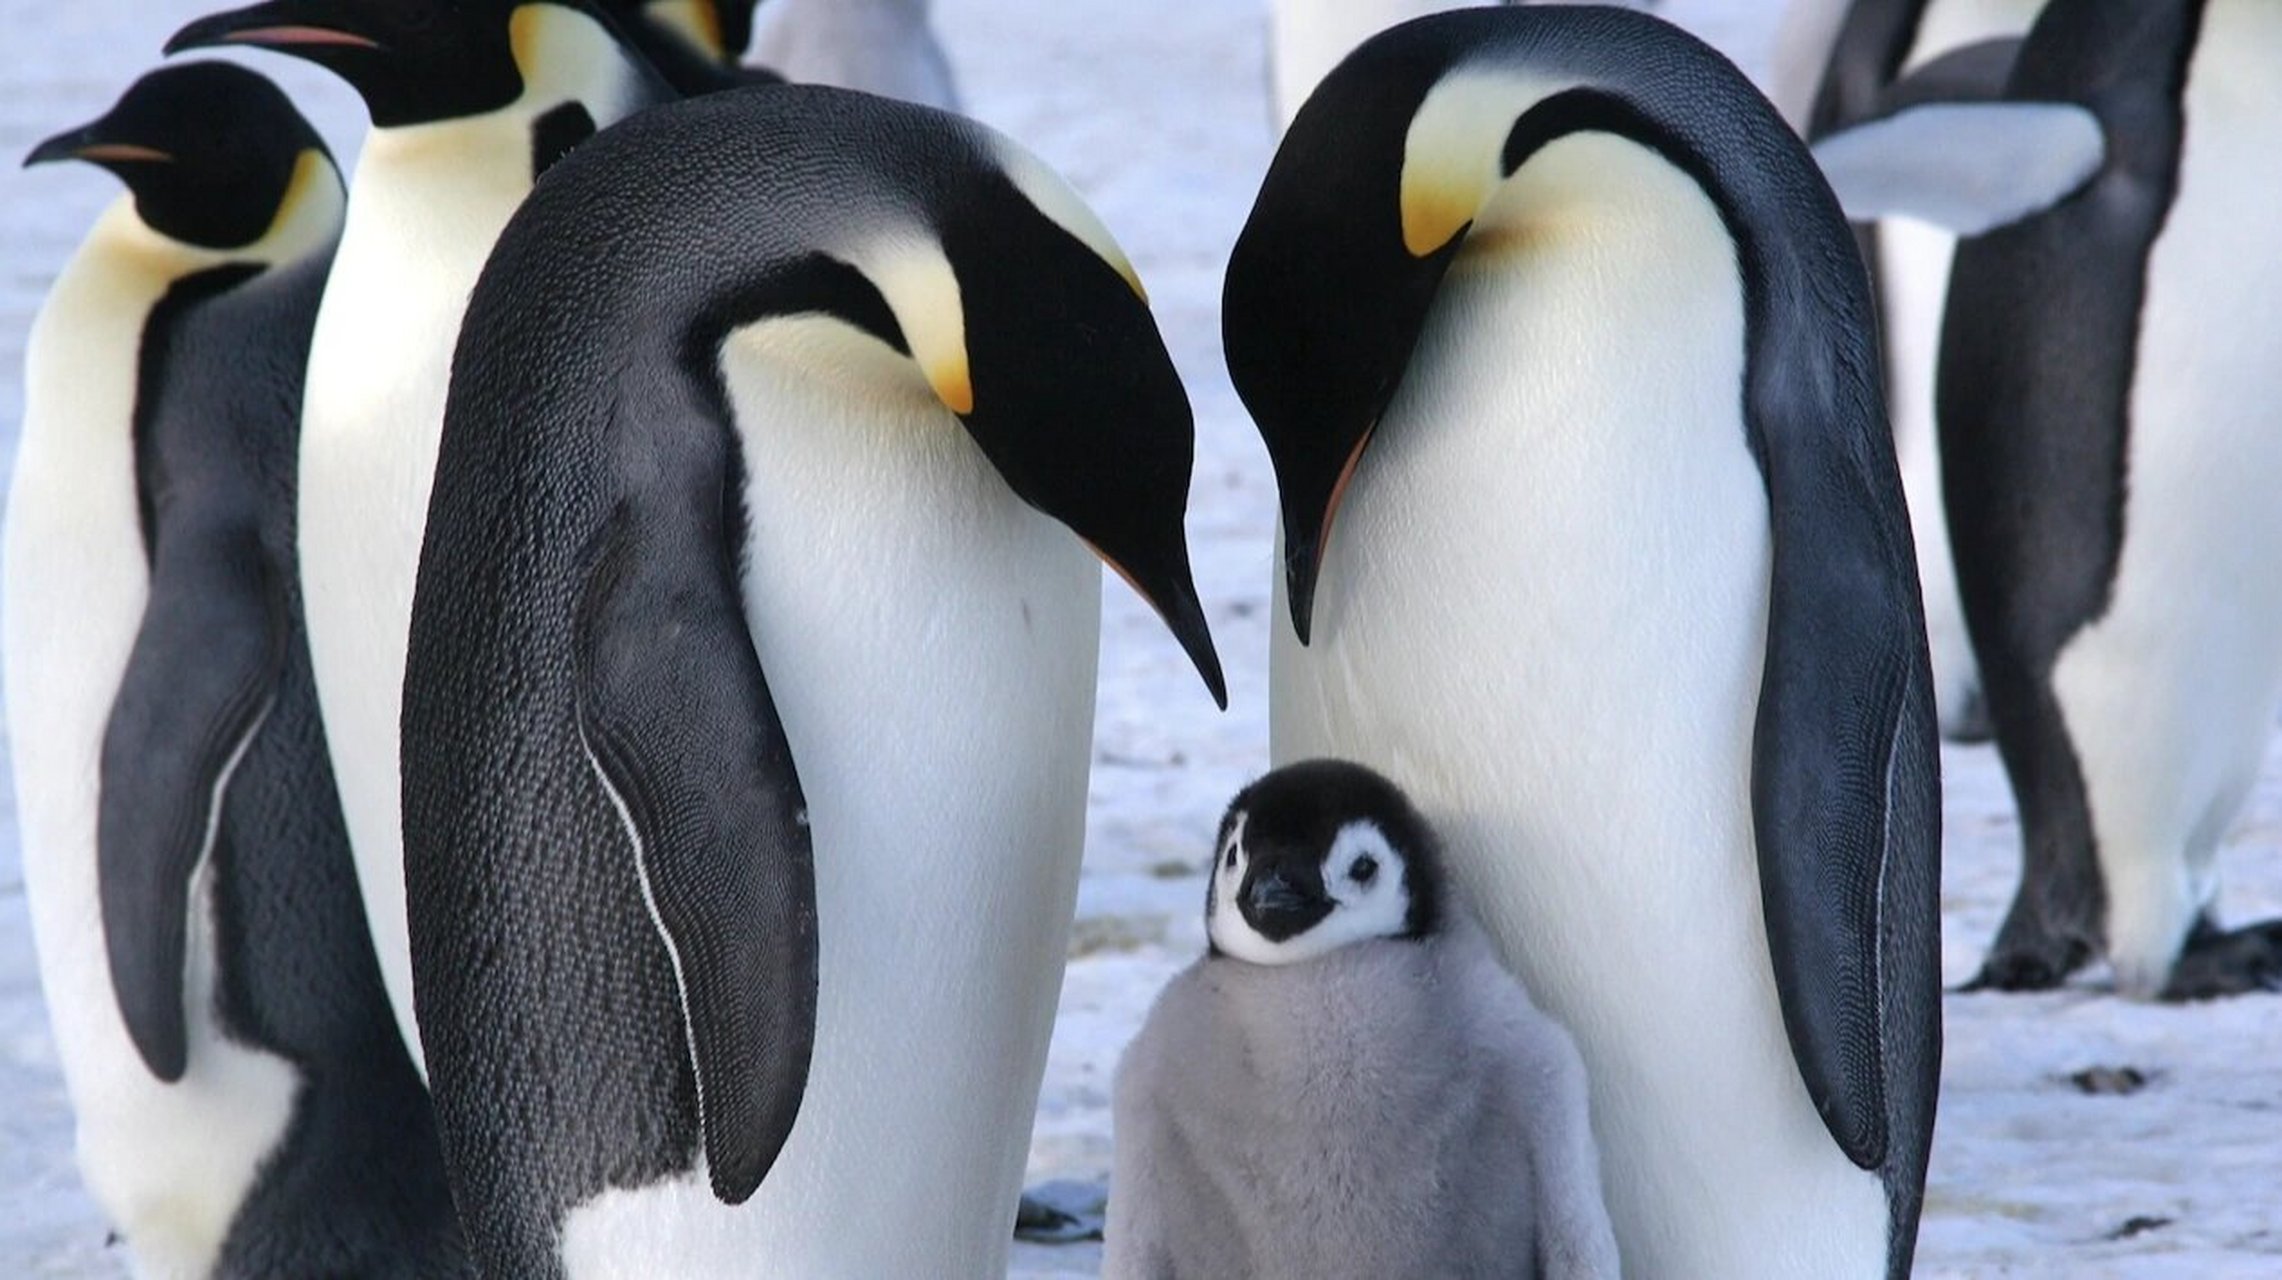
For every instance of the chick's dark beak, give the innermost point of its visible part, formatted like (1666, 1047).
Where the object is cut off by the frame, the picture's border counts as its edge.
(1278, 908)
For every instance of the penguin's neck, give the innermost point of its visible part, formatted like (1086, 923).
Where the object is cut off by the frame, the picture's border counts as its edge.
(85, 348)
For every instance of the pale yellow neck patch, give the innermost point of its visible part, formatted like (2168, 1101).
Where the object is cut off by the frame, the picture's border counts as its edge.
(565, 55)
(1452, 154)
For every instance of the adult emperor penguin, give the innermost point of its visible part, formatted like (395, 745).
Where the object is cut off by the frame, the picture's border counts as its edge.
(470, 101)
(2108, 371)
(1349, 1083)
(1553, 313)
(887, 47)
(1884, 41)
(820, 385)
(244, 1108)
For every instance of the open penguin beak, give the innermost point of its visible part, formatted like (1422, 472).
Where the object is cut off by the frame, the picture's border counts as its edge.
(285, 26)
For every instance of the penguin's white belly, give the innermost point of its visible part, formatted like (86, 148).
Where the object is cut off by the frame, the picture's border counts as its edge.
(170, 1164)
(2170, 696)
(1913, 280)
(1543, 612)
(931, 644)
(372, 422)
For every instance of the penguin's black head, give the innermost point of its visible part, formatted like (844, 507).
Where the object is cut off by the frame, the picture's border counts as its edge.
(422, 61)
(1328, 287)
(212, 152)
(1043, 345)
(1318, 855)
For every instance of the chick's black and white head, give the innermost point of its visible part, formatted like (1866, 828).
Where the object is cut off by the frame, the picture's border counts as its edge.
(1317, 856)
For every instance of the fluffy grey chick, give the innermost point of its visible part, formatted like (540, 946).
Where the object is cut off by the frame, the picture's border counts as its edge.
(1349, 1084)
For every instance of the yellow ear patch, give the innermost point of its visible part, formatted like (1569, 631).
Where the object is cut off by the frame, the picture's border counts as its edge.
(697, 21)
(915, 278)
(953, 386)
(1452, 154)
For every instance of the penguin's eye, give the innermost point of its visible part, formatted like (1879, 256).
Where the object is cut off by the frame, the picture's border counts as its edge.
(1230, 861)
(1366, 869)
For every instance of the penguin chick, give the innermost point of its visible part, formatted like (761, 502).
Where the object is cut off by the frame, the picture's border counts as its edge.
(1348, 1084)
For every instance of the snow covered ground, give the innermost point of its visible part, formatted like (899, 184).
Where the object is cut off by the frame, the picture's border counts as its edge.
(1157, 112)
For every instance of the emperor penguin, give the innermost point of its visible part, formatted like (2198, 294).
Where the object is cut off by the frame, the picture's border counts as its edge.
(1349, 1083)
(470, 100)
(244, 1107)
(1592, 535)
(887, 47)
(751, 685)
(2108, 371)
(1882, 42)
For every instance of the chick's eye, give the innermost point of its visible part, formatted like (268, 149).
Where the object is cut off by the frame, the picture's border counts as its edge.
(1364, 870)
(1230, 861)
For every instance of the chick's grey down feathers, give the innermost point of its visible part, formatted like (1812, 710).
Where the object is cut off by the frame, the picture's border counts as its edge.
(1394, 1108)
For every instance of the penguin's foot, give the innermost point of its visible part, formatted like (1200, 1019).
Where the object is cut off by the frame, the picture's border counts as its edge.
(2029, 965)
(2227, 962)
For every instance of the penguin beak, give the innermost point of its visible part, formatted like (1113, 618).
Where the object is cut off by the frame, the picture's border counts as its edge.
(1310, 509)
(1172, 593)
(1277, 909)
(88, 143)
(284, 26)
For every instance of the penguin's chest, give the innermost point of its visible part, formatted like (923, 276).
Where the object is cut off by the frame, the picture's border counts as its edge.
(170, 1163)
(2201, 522)
(1543, 612)
(930, 643)
(1545, 596)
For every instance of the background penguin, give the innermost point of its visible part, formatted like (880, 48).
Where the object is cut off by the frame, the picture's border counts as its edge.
(2108, 376)
(697, 45)
(243, 1105)
(470, 101)
(1883, 41)
(826, 386)
(879, 46)
(1349, 1084)
(1658, 678)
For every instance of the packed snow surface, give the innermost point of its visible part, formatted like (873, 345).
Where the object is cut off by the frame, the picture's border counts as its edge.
(2080, 1135)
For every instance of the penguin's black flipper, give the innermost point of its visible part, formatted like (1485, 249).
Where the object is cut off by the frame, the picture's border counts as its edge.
(677, 716)
(203, 670)
(1845, 781)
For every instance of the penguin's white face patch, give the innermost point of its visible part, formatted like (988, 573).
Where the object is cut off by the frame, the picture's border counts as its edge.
(1361, 882)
